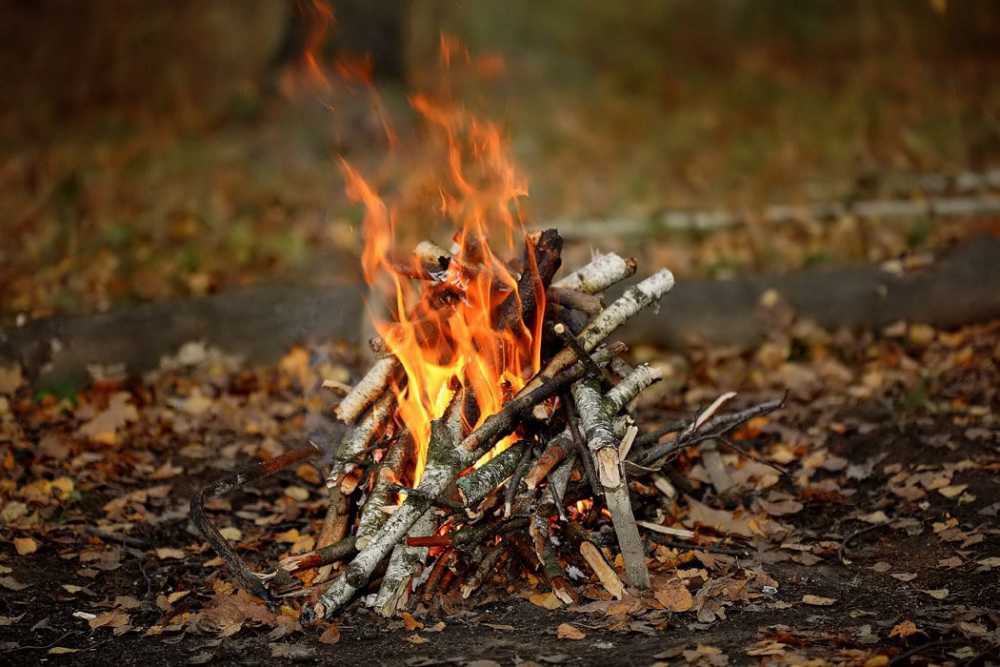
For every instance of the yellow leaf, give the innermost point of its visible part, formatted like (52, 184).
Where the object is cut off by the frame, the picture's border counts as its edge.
(938, 594)
(62, 650)
(545, 600)
(165, 553)
(415, 639)
(877, 661)
(25, 545)
(297, 493)
(231, 533)
(567, 631)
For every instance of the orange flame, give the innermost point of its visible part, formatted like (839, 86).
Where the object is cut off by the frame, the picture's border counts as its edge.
(443, 327)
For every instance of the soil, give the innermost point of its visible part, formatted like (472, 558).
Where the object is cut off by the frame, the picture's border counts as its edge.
(868, 604)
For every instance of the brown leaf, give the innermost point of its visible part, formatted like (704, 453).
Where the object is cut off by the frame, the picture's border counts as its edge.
(415, 639)
(25, 546)
(675, 597)
(818, 601)
(567, 631)
(165, 553)
(904, 576)
(546, 600)
(104, 427)
(411, 623)
(904, 629)
(331, 635)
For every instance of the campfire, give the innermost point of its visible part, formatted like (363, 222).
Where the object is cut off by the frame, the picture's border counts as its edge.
(494, 422)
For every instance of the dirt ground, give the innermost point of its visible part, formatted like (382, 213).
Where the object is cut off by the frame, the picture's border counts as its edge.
(880, 537)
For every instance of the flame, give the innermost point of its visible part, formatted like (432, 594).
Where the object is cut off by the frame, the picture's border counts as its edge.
(443, 330)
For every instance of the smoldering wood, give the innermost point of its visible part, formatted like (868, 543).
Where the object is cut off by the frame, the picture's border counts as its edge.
(542, 258)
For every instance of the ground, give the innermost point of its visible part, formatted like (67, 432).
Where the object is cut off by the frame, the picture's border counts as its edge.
(879, 537)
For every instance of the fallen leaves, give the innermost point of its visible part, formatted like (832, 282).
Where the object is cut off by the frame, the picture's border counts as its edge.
(818, 600)
(674, 597)
(103, 427)
(546, 600)
(607, 576)
(25, 546)
(937, 594)
(904, 630)
(167, 553)
(567, 631)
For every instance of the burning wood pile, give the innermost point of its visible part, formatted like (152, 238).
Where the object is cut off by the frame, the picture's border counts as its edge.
(493, 425)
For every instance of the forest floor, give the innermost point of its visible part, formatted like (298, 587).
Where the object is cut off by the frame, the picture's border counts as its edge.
(879, 538)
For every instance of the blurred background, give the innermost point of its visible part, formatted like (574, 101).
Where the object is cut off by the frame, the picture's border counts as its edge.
(158, 149)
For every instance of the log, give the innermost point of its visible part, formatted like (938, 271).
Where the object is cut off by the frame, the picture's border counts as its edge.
(596, 414)
(261, 323)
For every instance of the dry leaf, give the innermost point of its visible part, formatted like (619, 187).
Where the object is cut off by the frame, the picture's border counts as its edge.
(415, 639)
(25, 546)
(546, 600)
(165, 553)
(675, 597)
(567, 631)
(818, 601)
(297, 493)
(937, 594)
(231, 533)
(881, 567)
(952, 490)
(331, 635)
(104, 427)
(904, 576)
(62, 650)
(904, 629)
(411, 623)
(608, 577)
(874, 517)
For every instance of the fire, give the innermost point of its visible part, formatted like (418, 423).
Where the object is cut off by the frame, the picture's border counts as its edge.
(443, 324)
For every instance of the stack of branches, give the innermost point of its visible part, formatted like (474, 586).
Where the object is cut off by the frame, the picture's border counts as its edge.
(577, 447)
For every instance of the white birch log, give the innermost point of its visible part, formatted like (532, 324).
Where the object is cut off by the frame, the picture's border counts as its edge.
(404, 564)
(637, 297)
(367, 390)
(596, 416)
(358, 437)
(373, 513)
(632, 385)
(602, 272)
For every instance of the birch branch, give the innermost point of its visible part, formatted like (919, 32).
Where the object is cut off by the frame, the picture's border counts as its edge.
(367, 390)
(632, 385)
(597, 415)
(601, 273)
(357, 438)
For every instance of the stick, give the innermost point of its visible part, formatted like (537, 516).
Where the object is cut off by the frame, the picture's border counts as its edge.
(480, 482)
(483, 570)
(367, 390)
(715, 427)
(503, 422)
(334, 528)
(357, 438)
(607, 576)
(554, 453)
(373, 514)
(570, 341)
(572, 419)
(234, 480)
(545, 551)
(542, 259)
(575, 299)
(602, 272)
(628, 304)
(444, 461)
(319, 557)
(515, 480)
(403, 565)
(632, 385)
(597, 416)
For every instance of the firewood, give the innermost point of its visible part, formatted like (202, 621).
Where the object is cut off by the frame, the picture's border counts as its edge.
(389, 471)
(367, 390)
(358, 437)
(596, 414)
(601, 273)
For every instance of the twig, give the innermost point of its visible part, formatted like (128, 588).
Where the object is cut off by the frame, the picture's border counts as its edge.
(483, 570)
(632, 385)
(572, 418)
(234, 480)
(568, 339)
(575, 299)
(515, 480)
(845, 546)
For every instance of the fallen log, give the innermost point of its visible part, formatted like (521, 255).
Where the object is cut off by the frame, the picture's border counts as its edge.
(261, 323)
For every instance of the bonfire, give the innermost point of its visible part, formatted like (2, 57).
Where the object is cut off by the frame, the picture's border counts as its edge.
(494, 421)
